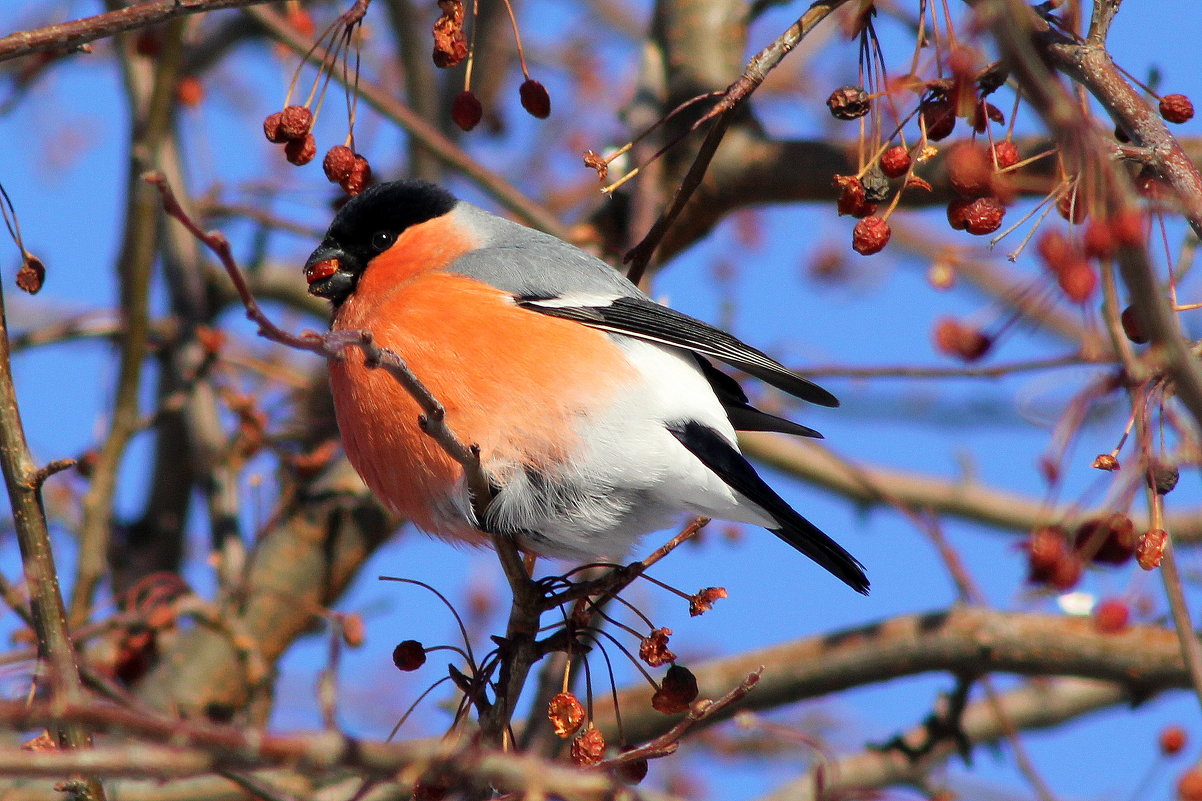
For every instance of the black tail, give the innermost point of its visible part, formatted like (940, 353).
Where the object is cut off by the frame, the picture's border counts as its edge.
(718, 455)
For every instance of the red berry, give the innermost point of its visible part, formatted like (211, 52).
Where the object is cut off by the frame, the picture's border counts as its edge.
(870, 235)
(895, 162)
(1078, 280)
(295, 122)
(969, 169)
(939, 117)
(1005, 153)
(1067, 573)
(1111, 616)
(1098, 241)
(853, 199)
(1055, 251)
(300, 151)
(466, 111)
(189, 91)
(1107, 540)
(983, 216)
(535, 98)
(271, 128)
(956, 209)
(1045, 550)
(359, 178)
(1176, 108)
(676, 692)
(959, 340)
(589, 748)
(338, 163)
(1128, 229)
(631, 772)
(1172, 740)
(566, 714)
(1189, 786)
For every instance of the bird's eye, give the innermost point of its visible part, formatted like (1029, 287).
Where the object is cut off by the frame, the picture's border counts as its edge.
(382, 240)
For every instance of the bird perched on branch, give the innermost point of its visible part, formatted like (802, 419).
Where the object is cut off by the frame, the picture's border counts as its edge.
(597, 412)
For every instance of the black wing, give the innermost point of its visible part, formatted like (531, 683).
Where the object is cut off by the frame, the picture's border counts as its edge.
(716, 454)
(646, 319)
(742, 415)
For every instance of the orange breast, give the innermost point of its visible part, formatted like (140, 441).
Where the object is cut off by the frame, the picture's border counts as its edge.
(515, 382)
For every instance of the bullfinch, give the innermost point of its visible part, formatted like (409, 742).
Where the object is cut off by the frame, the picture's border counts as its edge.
(598, 413)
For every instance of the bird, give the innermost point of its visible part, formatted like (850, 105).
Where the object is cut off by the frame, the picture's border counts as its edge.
(598, 414)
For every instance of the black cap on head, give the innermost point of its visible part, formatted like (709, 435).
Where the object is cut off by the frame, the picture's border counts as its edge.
(366, 226)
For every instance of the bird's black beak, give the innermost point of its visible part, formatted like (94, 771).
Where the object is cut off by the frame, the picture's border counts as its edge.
(331, 273)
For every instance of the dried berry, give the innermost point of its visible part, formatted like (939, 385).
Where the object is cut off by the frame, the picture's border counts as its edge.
(1176, 108)
(654, 648)
(939, 117)
(409, 655)
(1150, 549)
(338, 163)
(272, 130)
(1111, 616)
(983, 216)
(1107, 540)
(1078, 279)
(678, 690)
(969, 169)
(1128, 229)
(595, 162)
(870, 235)
(1005, 154)
(295, 122)
(535, 99)
(852, 198)
(466, 111)
(32, 274)
(895, 162)
(848, 102)
(1105, 461)
(566, 713)
(956, 208)
(450, 43)
(1067, 573)
(1045, 551)
(1133, 327)
(359, 178)
(703, 601)
(1163, 477)
(589, 748)
(876, 185)
(1171, 740)
(300, 151)
(961, 341)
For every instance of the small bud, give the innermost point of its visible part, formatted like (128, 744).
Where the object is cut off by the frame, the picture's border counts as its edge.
(1150, 549)
(678, 690)
(409, 655)
(535, 99)
(566, 713)
(353, 631)
(595, 162)
(848, 103)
